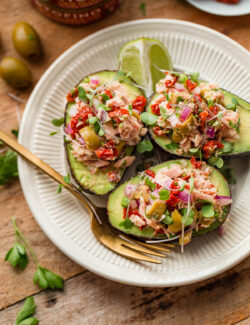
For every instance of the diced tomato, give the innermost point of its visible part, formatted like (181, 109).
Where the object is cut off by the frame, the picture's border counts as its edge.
(79, 120)
(150, 173)
(107, 151)
(112, 176)
(196, 164)
(197, 98)
(186, 177)
(124, 213)
(139, 103)
(71, 96)
(213, 110)
(155, 108)
(210, 147)
(118, 112)
(108, 92)
(203, 116)
(158, 131)
(135, 212)
(190, 84)
(171, 82)
(176, 187)
(169, 106)
(172, 201)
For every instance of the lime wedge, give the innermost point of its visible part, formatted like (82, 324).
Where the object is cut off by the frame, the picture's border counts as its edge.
(140, 58)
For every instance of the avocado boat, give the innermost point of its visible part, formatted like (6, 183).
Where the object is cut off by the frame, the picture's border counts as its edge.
(176, 199)
(195, 117)
(100, 113)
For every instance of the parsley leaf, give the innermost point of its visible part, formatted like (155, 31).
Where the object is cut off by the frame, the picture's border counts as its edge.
(172, 146)
(67, 178)
(207, 210)
(148, 118)
(231, 107)
(82, 93)
(144, 145)
(17, 256)
(48, 279)
(53, 133)
(164, 194)
(179, 99)
(234, 101)
(15, 132)
(8, 166)
(59, 189)
(163, 112)
(228, 147)
(216, 161)
(143, 8)
(187, 219)
(58, 122)
(127, 223)
(28, 309)
(125, 202)
(150, 184)
(167, 220)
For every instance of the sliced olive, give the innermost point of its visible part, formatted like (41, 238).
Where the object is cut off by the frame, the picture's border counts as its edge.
(15, 72)
(92, 140)
(26, 41)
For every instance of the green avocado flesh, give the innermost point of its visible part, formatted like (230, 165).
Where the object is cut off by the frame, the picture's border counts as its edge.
(115, 210)
(97, 183)
(240, 147)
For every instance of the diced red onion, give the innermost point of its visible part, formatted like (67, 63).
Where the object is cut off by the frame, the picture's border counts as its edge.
(210, 133)
(223, 200)
(168, 183)
(184, 196)
(68, 129)
(104, 117)
(94, 81)
(173, 120)
(81, 140)
(129, 189)
(185, 113)
(138, 203)
(179, 86)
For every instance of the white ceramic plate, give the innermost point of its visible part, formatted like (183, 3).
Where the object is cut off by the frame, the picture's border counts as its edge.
(64, 220)
(222, 9)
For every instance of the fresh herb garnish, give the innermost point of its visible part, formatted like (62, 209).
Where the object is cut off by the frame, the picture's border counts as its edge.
(82, 93)
(67, 178)
(144, 146)
(179, 99)
(150, 184)
(53, 133)
(231, 107)
(182, 78)
(235, 126)
(163, 112)
(172, 146)
(193, 150)
(122, 76)
(210, 103)
(8, 166)
(187, 219)
(15, 132)
(18, 256)
(58, 122)
(207, 210)
(164, 194)
(59, 189)
(216, 161)
(228, 147)
(25, 313)
(143, 8)
(125, 202)
(191, 184)
(148, 118)
(234, 101)
(167, 220)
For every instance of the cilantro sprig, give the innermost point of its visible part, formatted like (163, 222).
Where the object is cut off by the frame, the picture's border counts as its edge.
(58, 122)
(17, 256)
(144, 146)
(24, 316)
(8, 166)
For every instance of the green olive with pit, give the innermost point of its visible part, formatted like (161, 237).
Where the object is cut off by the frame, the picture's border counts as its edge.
(26, 41)
(15, 72)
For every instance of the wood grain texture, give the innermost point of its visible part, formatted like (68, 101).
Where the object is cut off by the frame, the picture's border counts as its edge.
(88, 298)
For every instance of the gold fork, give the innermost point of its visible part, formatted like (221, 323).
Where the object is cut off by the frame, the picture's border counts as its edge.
(108, 236)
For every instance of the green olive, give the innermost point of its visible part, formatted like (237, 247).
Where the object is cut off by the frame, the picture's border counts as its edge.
(15, 72)
(26, 41)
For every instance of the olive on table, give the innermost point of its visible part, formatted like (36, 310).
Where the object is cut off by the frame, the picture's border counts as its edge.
(15, 72)
(26, 41)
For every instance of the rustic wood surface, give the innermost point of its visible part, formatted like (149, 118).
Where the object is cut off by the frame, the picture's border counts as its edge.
(87, 298)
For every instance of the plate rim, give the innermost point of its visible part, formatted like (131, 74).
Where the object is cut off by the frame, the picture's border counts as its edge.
(22, 162)
(227, 14)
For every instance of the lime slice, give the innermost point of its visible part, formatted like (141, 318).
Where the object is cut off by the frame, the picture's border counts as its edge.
(139, 58)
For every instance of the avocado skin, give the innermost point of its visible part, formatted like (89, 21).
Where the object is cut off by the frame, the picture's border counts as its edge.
(72, 172)
(228, 95)
(146, 234)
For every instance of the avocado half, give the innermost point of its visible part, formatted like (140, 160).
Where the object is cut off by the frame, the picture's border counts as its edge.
(240, 148)
(97, 183)
(115, 210)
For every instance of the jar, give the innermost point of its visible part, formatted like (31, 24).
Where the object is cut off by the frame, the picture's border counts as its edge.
(76, 12)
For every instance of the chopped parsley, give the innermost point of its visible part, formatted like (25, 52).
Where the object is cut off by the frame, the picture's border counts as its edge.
(150, 184)
(207, 210)
(144, 146)
(172, 146)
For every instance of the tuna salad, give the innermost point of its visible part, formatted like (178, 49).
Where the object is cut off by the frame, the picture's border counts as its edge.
(104, 124)
(193, 115)
(178, 200)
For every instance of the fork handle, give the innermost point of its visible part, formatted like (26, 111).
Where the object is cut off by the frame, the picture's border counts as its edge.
(39, 163)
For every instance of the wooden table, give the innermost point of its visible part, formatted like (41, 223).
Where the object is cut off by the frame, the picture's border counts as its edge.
(87, 298)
